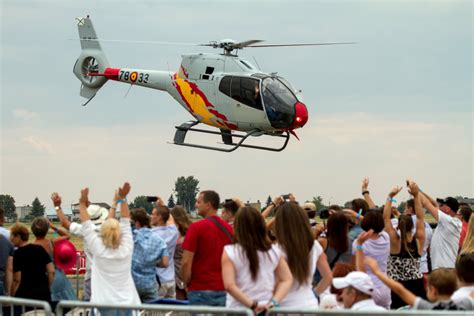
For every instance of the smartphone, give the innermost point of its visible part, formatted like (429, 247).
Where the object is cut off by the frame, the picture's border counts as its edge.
(151, 198)
(228, 200)
(286, 197)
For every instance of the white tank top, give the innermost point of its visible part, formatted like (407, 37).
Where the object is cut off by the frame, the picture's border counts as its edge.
(302, 295)
(262, 288)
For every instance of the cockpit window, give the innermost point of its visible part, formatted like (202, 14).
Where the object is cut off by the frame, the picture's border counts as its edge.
(279, 102)
(242, 89)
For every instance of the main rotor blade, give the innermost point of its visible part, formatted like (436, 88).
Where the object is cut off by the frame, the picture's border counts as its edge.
(246, 43)
(134, 42)
(301, 44)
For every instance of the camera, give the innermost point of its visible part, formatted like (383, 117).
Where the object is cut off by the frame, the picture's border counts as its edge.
(151, 199)
(324, 214)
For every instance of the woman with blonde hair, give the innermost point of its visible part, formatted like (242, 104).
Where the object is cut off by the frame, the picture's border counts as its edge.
(111, 250)
(468, 245)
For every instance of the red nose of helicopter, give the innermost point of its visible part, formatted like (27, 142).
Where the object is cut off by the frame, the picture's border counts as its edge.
(301, 115)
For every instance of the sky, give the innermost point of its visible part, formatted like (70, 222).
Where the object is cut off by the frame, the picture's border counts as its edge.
(397, 104)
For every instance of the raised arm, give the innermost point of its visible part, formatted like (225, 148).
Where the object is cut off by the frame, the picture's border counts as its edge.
(275, 203)
(83, 203)
(426, 203)
(430, 199)
(62, 232)
(57, 200)
(359, 257)
(113, 207)
(387, 211)
(122, 200)
(420, 216)
(407, 296)
(366, 193)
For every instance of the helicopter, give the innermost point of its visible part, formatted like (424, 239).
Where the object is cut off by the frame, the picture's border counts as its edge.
(220, 90)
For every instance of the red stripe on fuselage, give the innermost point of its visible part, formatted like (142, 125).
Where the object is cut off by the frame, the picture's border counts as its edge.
(112, 73)
(178, 88)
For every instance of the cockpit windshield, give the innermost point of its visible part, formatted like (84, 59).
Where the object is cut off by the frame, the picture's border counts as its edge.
(279, 102)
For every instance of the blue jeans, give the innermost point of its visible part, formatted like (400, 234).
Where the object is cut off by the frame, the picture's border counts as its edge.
(207, 298)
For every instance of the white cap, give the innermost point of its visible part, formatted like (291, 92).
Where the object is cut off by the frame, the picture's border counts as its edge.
(358, 280)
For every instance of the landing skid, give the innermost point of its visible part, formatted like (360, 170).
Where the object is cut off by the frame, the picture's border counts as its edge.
(227, 138)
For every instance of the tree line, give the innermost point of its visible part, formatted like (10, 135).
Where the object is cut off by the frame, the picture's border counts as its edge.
(184, 193)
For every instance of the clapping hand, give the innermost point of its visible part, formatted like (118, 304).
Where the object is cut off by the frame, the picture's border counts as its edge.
(124, 190)
(84, 199)
(56, 198)
(395, 190)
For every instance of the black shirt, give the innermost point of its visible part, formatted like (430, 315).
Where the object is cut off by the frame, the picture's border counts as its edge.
(31, 261)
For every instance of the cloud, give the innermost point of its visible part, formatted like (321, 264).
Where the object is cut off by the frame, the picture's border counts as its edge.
(24, 115)
(40, 145)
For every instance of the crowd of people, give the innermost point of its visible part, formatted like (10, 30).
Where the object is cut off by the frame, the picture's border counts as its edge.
(362, 258)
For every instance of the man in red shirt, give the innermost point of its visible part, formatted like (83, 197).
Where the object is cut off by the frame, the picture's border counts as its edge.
(203, 245)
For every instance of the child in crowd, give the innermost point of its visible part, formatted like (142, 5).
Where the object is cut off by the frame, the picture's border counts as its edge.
(441, 285)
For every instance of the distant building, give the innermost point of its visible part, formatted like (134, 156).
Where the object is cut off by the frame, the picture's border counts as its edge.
(23, 211)
(467, 200)
(52, 218)
(75, 209)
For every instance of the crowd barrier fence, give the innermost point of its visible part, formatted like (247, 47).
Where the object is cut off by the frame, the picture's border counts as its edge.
(345, 312)
(76, 308)
(12, 305)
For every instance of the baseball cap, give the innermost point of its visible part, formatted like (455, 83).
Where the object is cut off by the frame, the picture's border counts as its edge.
(449, 201)
(358, 280)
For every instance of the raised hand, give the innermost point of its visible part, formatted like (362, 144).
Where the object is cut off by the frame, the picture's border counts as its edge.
(124, 190)
(364, 236)
(84, 199)
(238, 201)
(395, 190)
(413, 188)
(56, 198)
(159, 201)
(278, 200)
(292, 198)
(365, 184)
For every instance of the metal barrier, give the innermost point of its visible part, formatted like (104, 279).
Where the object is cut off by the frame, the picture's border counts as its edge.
(345, 312)
(77, 308)
(16, 306)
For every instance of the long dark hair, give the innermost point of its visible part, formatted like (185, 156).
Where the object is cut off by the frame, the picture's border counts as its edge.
(338, 232)
(250, 232)
(405, 225)
(181, 219)
(294, 235)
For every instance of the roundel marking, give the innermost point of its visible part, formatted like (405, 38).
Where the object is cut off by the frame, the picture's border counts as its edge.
(133, 76)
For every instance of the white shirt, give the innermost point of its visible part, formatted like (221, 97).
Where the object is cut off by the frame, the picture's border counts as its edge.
(367, 305)
(260, 289)
(445, 241)
(111, 280)
(302, 295)
(462, 292)
(76, 229)
(5, 232)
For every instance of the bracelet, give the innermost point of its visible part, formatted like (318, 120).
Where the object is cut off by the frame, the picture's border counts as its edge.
(359, 214)
(391, 200)
(113, 207)
(121, 200)
(254, 304)
(365, 192)
(274, 302)
(359, 247)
